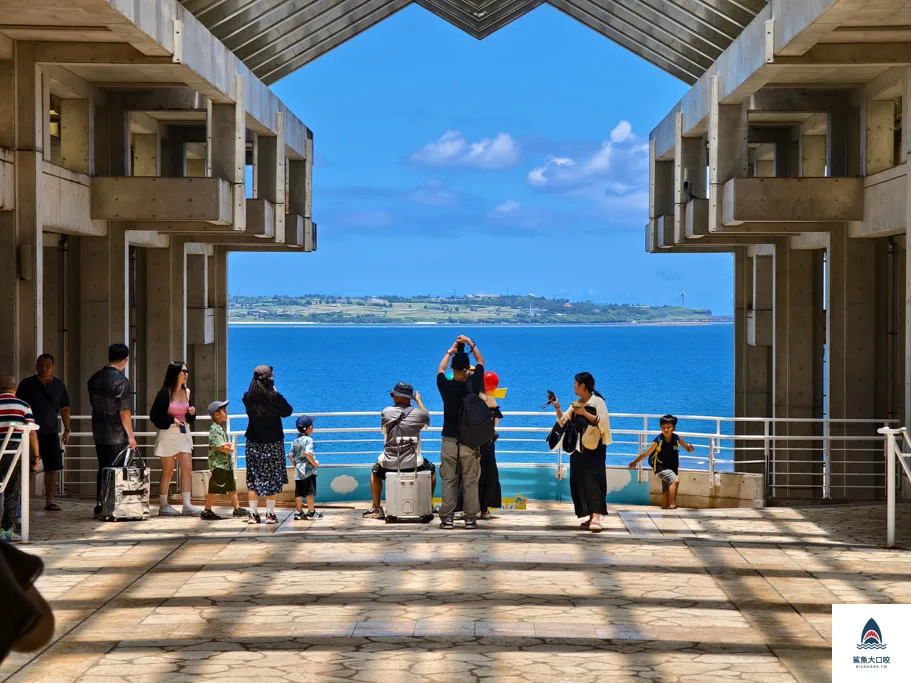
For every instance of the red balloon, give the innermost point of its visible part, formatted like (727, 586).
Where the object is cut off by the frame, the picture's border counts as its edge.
(491, 381)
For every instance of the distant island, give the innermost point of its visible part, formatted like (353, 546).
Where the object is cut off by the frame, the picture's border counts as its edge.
(470, 309)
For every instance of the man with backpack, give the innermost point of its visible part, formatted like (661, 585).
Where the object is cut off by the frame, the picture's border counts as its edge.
(468, 423)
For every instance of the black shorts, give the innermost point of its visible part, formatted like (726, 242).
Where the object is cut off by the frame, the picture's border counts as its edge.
(305, 487)
(50, 451)
(221, 482)
(380, 472)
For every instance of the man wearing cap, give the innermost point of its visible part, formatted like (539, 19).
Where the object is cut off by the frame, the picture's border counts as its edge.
(400, 420)
(221, 479)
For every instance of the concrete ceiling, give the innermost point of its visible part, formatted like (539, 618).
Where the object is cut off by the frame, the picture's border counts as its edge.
(276, 37)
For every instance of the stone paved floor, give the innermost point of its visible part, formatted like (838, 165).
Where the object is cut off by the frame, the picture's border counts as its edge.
(740, 595)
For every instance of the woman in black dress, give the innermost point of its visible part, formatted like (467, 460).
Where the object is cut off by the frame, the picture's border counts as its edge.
(587, 463)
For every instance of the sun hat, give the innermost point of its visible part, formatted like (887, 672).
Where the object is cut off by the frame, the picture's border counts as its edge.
(403, 390)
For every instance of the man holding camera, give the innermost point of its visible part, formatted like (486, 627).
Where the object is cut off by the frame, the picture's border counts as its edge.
(454, 456)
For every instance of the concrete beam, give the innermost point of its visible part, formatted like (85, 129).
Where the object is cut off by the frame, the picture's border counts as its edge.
(878, 126)
(664, 229)
(66, 202)
(696, 218)
(809, 241)
(885, 204)
(226, 147)
(775, 229)
(166, 100)
(162, 199)
(271, 175)
(847, 55)
(77, 135)
(63, 53)
(796, 100)
(792, 199)
(148, 239)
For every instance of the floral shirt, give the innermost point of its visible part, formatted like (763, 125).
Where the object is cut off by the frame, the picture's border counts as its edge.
(218, 437)
(302, 467)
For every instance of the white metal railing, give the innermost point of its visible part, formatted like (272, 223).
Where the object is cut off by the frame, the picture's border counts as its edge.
(20, 457)
(895, 438)
(818, 458)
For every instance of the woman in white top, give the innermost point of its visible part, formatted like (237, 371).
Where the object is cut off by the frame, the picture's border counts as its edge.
(587, 463)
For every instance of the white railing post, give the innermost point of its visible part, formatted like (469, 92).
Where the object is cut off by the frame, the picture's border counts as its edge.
(889, 449)
(712, 462)
(25, 462)
(769, 463)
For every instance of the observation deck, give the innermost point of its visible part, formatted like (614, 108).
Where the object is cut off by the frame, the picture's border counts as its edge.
(687, 595)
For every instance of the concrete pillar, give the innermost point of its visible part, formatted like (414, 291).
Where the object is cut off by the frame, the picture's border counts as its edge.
(851, 307)
(77, 133)
(21, 235)
(752, 365)
(161, 317)
(146, 155)
(52, 289)
(888, 357)
(906, 154)
(689, 176)
(843, 143)
(797, 285)
(879, 136)
(227, 147)
(271, 175)
(728, 149)
(813, 156)
(177, 153)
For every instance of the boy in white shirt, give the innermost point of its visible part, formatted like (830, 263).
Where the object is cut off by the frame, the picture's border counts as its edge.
(305, 465)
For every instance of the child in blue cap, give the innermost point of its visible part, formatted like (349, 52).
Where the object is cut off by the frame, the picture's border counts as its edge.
(305, 465)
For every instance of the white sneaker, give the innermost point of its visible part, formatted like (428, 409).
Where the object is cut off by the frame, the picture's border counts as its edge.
(190, 511)
(168, 511)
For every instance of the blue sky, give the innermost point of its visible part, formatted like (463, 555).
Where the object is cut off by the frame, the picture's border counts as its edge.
(518, 163)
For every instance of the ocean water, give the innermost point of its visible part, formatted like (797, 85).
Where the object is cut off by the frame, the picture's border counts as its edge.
(685, 370)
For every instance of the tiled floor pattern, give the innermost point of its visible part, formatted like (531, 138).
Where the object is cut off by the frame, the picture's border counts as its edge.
(739, 595)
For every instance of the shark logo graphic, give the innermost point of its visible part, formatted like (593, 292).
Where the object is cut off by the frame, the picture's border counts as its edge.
(872, 637)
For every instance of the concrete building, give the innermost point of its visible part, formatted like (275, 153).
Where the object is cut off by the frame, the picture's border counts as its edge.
(791, 153)
(127, 132)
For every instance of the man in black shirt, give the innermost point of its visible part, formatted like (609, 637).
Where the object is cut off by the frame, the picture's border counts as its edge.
(48, 398)
(455, 457)
(112, 422)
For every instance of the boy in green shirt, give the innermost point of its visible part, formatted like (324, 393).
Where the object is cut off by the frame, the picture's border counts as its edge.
(221, 482)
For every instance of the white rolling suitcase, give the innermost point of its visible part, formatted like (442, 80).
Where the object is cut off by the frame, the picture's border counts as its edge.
(409, 495)
(125, 488)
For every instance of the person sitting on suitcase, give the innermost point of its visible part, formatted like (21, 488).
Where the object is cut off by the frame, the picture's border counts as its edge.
(400, 420)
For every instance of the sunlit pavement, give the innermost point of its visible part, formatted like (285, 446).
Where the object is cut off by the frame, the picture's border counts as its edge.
(660, 596)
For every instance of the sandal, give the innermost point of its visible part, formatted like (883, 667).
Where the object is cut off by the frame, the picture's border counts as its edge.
(672, 507)
(53, 507)
(585, 524)
(374, 513)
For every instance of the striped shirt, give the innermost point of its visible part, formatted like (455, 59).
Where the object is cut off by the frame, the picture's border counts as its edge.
(13, 411)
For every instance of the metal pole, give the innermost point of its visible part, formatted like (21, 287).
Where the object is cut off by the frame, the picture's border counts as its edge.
(827, 461)
(712, 462)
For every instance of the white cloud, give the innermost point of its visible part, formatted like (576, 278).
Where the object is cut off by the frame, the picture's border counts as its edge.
(454, 149)
(371, 218)
(343, 484)
(434, 193)
(622, 132)
(507, 207)
(614, 177)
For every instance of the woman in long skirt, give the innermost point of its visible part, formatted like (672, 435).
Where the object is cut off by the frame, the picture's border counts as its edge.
(265, 445)
(587, 473)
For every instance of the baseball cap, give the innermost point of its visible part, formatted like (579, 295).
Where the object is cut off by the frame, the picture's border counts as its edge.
(263, 372)
(303, 422)
(215, 406)
(403, 390)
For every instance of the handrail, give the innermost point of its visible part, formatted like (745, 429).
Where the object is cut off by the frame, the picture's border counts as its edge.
(893, 451)
(20, 456)
(818, 461)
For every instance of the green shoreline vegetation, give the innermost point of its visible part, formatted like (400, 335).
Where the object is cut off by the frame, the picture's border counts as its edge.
(471, 309)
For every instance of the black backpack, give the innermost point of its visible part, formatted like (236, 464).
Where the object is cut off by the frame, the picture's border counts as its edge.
(477, 422)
